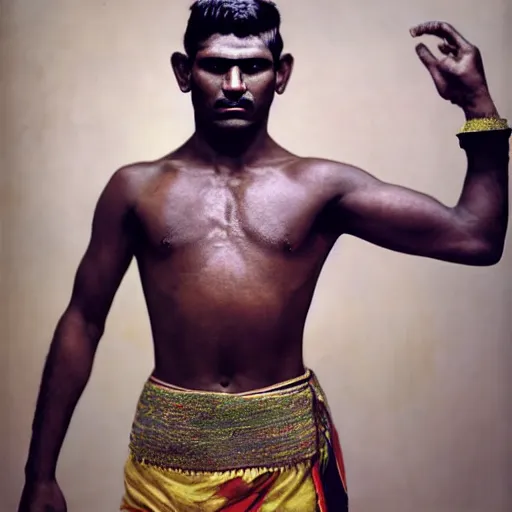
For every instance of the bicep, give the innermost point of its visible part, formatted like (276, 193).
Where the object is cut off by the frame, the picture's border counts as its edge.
(107, 257)
(403, 220)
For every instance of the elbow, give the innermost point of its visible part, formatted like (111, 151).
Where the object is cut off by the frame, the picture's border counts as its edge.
(77, 336)
(484, 253)
(481, 240)
(494, 255)
(490, 259)
(85, 322)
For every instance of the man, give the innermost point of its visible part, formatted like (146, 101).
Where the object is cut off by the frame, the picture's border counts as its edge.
(230, 232)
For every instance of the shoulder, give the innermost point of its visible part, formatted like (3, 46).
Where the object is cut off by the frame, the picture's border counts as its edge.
(127, 183)
(335, 178)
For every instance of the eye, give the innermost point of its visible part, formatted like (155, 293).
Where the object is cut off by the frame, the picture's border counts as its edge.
(214, 66)
(254, 66)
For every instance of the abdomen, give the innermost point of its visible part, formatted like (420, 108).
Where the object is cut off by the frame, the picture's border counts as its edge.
(228, 317)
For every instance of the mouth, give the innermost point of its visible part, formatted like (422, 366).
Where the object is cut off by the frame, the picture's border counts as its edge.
(226, 113)
(223, 110)
(226, 106)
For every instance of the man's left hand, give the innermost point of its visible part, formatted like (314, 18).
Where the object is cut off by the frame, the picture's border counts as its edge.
(459, 76)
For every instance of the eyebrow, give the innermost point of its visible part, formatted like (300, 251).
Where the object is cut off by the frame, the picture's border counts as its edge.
(236, 54)
(232, 59)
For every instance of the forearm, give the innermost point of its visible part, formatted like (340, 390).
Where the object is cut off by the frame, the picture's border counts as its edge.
(67, 370)
(484, 198)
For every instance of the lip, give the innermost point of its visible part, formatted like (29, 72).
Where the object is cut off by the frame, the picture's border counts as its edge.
(231, 109)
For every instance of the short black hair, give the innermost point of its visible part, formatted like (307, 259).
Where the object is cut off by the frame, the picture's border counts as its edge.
(242, 18)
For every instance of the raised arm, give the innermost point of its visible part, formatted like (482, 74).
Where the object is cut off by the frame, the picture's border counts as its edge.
(70, 359)
(473, 231)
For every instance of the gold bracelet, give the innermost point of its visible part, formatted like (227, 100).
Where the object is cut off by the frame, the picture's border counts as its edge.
(484, 124)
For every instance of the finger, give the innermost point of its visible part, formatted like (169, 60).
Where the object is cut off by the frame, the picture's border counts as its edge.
(447, 49)
(426, 56)
(441, 29)
(430, 62)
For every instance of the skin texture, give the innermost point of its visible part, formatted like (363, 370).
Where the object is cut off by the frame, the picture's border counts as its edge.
(230, 238)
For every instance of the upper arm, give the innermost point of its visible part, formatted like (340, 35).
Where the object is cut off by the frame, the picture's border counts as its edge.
(108, 255)
(400, 219)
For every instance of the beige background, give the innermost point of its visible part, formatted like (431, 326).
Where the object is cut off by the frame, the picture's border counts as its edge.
(415, 355)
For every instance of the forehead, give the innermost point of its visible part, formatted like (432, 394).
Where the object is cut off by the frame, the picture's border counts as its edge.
(233, 47)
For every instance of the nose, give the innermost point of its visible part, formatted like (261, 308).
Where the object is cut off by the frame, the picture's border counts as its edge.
(234, 85)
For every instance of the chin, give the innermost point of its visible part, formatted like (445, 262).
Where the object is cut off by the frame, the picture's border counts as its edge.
(233, 124)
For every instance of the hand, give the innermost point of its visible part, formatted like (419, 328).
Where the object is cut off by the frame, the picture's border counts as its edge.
(42, 497)
(459, 76)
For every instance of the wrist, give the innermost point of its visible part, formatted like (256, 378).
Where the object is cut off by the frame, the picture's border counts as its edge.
(39, 475)
(481, 107)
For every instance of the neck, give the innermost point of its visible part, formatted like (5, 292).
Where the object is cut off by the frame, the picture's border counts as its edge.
(232, 148)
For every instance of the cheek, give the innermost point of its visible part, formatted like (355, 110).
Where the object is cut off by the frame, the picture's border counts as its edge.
(263, 90)
(205, 87)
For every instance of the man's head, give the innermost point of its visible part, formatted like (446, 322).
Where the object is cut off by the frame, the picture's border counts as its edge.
(233, 64)
(242, 18)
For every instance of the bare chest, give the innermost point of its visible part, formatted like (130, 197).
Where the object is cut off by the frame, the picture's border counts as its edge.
(272, 211)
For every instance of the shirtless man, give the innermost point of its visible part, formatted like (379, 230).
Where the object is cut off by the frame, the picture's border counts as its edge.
(230, 232)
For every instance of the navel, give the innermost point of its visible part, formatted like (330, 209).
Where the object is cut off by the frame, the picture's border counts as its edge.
(224, 382)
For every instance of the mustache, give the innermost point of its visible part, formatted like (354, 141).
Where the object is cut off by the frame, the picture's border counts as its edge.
(241, 103)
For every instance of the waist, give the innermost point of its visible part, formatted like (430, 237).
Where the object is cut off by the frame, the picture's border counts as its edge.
(185, 429)
(232, 368)
(213, 380)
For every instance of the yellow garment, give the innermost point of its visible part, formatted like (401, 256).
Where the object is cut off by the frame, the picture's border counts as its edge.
(260, 451)
(158, 490)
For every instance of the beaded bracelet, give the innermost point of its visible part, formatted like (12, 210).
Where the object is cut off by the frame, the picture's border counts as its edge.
(484, 124)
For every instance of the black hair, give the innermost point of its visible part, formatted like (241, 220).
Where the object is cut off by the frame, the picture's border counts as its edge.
(242, 18)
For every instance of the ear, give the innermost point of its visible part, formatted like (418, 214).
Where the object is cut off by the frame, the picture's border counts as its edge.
(284, 72)
(182, 70)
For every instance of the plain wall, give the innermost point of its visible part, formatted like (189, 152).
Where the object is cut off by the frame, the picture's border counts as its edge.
(414, 354)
